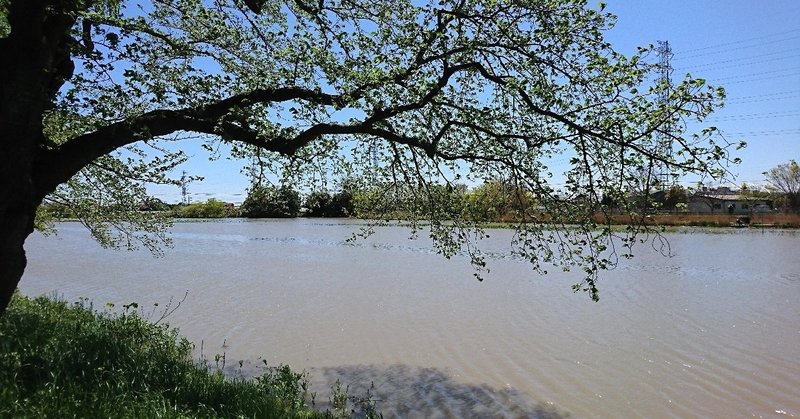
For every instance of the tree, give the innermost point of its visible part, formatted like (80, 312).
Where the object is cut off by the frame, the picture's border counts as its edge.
(406, 93)
(323, 204)
(271, 202)
(318, 204)
(675, 196)
(153, 204)
(496, 200)
(212, 208)
(785, 179)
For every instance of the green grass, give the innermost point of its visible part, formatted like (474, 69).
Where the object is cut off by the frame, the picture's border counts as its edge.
(66, 360)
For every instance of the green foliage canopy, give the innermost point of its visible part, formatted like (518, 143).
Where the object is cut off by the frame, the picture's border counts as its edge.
(404, 95)
(270, 202)
(324, 204)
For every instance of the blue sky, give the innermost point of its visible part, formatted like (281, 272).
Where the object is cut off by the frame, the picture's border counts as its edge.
(752, 48)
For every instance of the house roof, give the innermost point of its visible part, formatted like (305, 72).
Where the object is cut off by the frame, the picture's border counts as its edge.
(721, 197)
(727, 197)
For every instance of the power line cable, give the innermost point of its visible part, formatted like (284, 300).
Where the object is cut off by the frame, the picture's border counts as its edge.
(785, 92)
(736, 49)
(738, 61)
(767, 115)
(740, 41)
(773, 99)
(750, 56)
(739, 102)
(766, 132)
(760, 73)
(760, 114)
(761, 79)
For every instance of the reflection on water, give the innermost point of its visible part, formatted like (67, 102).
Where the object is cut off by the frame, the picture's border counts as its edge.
(430, 392)
(713, 331)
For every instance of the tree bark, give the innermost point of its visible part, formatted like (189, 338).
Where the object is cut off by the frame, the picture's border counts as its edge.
(35, 62)
(15, 226)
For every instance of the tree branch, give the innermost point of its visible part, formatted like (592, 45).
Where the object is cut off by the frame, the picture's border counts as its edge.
(59, 165)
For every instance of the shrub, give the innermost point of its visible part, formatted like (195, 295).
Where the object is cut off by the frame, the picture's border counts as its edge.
(209, 209)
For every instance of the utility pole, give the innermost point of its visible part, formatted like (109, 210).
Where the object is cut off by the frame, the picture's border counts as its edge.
(661, 171)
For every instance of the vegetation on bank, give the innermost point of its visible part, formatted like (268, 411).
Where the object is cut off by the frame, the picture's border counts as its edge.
(490, 205)
(271, 202)
(67, 360)
(494, 201)
(757, 220)
(210, 209)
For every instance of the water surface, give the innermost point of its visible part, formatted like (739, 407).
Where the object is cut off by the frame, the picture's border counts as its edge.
(713, 331)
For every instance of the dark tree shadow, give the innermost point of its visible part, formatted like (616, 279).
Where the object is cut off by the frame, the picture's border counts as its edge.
(410, 392)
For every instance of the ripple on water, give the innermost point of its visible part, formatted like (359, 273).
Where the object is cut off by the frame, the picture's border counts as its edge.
(793, 277)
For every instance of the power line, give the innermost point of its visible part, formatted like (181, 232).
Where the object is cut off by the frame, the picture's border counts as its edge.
(741, 41)
(760, 73)
(786, 92)
(774, 99)
(739, 63)
(762, 79)
(766, 132)
(764, 115)
(759, 114)
(737, 48)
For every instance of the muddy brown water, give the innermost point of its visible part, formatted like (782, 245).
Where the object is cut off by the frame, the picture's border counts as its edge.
(713, 331)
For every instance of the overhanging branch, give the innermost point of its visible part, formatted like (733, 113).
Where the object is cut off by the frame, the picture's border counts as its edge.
(60, 164)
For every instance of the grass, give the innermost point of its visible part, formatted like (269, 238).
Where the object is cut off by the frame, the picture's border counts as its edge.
(67, 360)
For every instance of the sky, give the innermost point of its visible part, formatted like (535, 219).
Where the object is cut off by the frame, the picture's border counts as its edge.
(751, 48)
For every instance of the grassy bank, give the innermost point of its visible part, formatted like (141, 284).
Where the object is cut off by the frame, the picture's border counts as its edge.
(758, 220)
(66, 360)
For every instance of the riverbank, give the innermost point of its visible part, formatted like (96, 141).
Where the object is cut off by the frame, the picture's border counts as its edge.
(756, 220)
(675, 221)
(67, 360)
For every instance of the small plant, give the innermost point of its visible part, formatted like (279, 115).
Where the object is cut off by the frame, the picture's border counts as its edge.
(285, 384)
(363, 406)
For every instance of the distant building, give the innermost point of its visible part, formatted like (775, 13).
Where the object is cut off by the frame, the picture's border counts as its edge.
(724, 200)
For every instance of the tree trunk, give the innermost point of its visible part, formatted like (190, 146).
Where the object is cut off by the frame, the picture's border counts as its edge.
(34, 63)
(15, 225)
(18, 197)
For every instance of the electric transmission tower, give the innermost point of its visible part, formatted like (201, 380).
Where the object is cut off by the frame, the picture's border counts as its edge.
(184, 189)
(661, 171)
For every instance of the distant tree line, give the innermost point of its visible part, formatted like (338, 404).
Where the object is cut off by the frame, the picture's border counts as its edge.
(493, 201)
